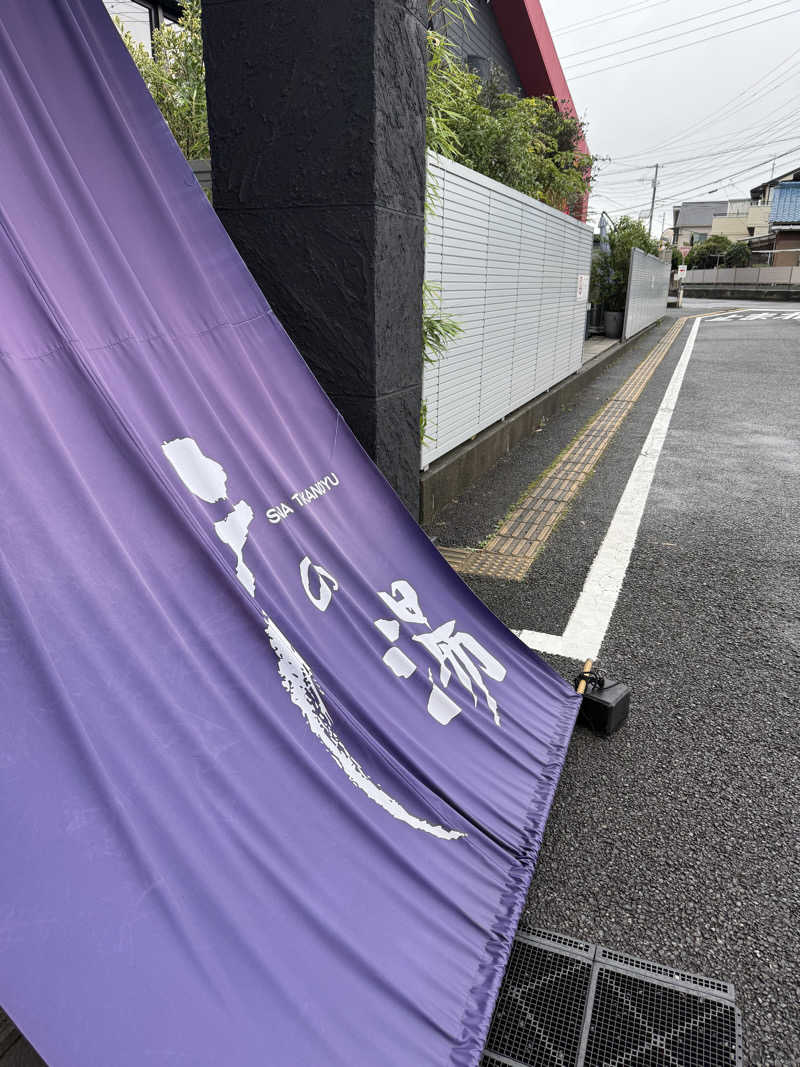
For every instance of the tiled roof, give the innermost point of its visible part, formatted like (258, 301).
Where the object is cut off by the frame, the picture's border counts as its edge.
(701, 212)
(785, 203)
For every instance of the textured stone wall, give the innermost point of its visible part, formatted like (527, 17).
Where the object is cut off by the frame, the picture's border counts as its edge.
(317, 123)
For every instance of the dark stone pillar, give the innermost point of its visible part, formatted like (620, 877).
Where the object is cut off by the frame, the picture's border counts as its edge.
(317, 118)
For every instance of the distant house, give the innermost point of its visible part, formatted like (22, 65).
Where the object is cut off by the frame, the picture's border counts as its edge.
(763, 194)
(780, 247)
(779, 200)
(141, 17)
(512, 35)
(769, 220)
(692, 221)
(743, 220)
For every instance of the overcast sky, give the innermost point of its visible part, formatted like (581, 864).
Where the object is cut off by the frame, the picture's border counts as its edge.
(705, 112)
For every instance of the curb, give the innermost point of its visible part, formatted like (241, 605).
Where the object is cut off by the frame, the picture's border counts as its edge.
(450, 475)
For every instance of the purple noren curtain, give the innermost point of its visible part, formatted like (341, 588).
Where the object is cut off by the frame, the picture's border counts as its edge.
(272, 780)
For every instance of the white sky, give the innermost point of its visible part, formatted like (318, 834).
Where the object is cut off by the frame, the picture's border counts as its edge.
(649, 109)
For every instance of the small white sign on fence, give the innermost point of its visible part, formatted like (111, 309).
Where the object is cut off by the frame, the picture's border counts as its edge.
(583, 288)
(682, 270)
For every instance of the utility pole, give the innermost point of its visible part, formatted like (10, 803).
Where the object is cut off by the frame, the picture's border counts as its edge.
(653, 203)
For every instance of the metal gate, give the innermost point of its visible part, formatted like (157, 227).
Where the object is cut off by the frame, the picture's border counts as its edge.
(648, 286)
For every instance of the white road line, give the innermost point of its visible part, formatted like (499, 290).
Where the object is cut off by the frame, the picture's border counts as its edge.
(589, 621)
(744, 315)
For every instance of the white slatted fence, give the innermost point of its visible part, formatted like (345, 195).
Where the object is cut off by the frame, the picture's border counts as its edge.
(515, 274)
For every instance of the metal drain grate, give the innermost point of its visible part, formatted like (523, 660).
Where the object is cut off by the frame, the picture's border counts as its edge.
(636, 1022)
(539, 1013)
(693, 982)
(566, 1003)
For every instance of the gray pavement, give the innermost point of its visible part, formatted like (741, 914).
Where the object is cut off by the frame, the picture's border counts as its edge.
(677, 839)
(595, 346)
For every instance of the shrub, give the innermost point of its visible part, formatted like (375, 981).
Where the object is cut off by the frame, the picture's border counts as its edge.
(451, 88)
(738, 255)
(523, 142)
(175, 76)
(709, 253)
(609, 281)
(719, 251)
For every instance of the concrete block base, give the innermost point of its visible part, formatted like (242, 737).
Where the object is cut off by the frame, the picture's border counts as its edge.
(741, 292)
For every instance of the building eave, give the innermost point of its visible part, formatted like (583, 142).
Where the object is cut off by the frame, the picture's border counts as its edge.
(758, 191)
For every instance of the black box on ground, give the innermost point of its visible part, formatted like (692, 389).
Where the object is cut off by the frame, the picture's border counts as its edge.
(605, 708)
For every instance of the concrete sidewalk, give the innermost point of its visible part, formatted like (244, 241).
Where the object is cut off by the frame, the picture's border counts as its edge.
(597, 344)
(676, 839)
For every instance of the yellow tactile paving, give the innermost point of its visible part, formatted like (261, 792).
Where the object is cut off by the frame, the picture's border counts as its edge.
(515, 544)
(512, 549)
(489, 564)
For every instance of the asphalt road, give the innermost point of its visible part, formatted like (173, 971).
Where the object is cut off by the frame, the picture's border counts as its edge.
(677, 839)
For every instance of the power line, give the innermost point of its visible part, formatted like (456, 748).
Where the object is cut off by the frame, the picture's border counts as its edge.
(715, 116)
(673, 195)
(709, 164)
(609, 15)
(699, 172)
(689, 44)
(712, 155)
(783, 127)
(656, 29)
(736, 174)
(745, 151)
(710, 26)
(765, 84)
(789, 122)
(724, 178)
(714, 125)
(771, 132)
